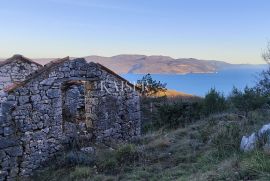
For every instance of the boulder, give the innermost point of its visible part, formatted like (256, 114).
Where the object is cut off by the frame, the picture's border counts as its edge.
(264, 130)
(248, 143)
(262, 137)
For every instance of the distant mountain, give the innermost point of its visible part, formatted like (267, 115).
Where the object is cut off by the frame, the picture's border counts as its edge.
(141, 64)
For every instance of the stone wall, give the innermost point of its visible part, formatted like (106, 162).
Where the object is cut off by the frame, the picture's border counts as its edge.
(14, 70)
(32, 126)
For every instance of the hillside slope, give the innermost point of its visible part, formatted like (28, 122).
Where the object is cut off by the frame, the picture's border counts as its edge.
(204, 150)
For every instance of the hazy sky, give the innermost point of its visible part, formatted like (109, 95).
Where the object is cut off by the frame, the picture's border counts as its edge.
(232, 30)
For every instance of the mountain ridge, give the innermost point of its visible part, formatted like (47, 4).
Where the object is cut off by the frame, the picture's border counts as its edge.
(156, 64)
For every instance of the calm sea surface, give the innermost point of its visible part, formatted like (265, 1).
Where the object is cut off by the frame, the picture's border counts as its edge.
(199, 84)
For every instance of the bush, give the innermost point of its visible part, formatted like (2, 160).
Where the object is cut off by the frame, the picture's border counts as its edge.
(249, 100)
(177, 114)
(214, 102)
(263, 85)
(149, 108)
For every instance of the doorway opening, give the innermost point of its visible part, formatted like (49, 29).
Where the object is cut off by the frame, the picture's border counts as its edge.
(73, 101)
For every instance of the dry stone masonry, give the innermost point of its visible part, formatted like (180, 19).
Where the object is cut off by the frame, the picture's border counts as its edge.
(15, 70)
(63, 101)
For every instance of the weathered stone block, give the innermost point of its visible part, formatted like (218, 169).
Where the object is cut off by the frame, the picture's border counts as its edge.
(15, 151)
(6, 142)
(24, 100)
(53, 93)
(8, 131)
(35, 98)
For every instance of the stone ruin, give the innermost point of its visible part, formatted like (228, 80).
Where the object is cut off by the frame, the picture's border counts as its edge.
(44, 108)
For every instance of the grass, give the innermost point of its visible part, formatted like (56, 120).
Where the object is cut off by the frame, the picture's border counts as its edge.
(258, 161)
(80, 173)
(205, 150)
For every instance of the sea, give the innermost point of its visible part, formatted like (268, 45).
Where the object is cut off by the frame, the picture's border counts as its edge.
(200, 83)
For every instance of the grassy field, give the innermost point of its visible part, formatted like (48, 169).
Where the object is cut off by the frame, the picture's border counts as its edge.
(207, 149)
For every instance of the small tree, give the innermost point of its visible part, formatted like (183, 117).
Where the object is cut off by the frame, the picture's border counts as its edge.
(177, 114)
(263, 84)
(266, 54)
(214, 102)
(150, 87)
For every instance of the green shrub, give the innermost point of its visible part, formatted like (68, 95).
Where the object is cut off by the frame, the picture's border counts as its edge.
(248, 100)
(214, 102)
(149, 108)
(177, 114)
(263, 85)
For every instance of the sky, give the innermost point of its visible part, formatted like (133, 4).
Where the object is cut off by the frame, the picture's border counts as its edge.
(235, 31)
